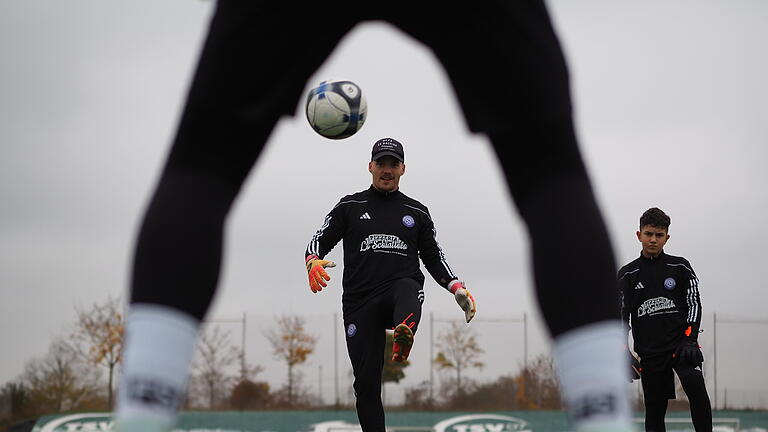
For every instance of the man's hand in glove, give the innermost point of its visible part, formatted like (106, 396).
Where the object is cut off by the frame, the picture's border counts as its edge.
(317, 274)
(463, 298)
(689, 351)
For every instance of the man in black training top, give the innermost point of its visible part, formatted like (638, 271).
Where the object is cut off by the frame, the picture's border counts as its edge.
(384, 232)
(660, 294)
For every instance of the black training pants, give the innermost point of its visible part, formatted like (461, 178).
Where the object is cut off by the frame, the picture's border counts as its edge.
(659, 386)
(394, 304)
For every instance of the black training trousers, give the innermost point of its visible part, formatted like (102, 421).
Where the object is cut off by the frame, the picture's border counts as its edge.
(659, 386)
(396, 303)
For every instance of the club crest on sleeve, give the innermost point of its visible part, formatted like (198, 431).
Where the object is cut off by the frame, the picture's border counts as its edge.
(669, 284)
(351, 329)
(408, 221)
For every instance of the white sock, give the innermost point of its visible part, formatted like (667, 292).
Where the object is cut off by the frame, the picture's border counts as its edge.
(159, 344)
(594, 377)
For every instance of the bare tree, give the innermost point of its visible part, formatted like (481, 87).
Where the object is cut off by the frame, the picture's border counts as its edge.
(98, 337)
(215, 355)
(60, 381)
(537, 385)
(292, 344)
(459, 350)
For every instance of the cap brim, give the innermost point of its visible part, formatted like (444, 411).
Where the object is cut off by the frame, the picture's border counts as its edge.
(381, 154)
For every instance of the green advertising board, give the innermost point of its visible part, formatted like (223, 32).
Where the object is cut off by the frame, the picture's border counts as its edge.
(346, 421)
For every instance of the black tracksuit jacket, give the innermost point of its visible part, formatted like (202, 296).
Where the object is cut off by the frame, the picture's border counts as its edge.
(384, 235)
(661, 297)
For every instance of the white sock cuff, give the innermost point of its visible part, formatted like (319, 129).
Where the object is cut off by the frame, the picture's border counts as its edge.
(593, 373)
(159, 344)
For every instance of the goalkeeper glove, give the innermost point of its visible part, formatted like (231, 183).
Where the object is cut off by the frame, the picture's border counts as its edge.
(463, 298)
(689, 351)
(317, 274)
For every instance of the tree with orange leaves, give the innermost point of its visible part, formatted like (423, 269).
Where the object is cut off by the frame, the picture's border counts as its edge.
(98, 337)
(292, 344)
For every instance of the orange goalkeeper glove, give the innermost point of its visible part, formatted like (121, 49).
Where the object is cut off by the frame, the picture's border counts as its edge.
(463, 298)
(317, 274)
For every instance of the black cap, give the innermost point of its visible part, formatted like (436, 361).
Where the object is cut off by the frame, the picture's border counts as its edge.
(388, 147)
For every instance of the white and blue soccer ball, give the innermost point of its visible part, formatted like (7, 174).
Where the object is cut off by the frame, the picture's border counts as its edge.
(336, 109)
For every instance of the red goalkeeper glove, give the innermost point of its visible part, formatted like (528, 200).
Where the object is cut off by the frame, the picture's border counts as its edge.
(317, 274)
(463, 298)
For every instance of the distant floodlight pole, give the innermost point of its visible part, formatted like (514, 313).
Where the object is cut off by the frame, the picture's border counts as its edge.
(714, 353)
(242, 350)
(525, 340)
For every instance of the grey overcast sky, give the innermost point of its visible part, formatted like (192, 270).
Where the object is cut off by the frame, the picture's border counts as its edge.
(670, 105)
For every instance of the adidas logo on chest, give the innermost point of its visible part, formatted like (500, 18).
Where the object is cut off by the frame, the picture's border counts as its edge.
(365, 216)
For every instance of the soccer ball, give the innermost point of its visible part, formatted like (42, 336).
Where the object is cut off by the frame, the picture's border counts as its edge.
(336, 109)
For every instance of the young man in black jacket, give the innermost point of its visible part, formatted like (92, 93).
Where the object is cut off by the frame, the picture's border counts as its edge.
(385, 233)
(660, 298)
(505, 63)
